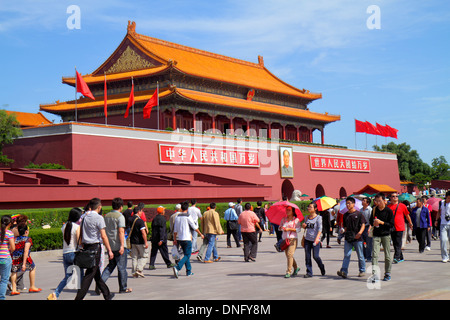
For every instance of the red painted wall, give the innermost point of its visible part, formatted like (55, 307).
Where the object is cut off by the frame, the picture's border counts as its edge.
(116, 153)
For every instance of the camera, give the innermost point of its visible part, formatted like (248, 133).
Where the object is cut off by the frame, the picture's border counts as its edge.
(447, 217)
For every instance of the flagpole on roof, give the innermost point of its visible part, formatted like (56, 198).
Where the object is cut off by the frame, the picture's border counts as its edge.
(76, 116)
(157, 97)
(106, 102)
(132, 106)
(355, 135)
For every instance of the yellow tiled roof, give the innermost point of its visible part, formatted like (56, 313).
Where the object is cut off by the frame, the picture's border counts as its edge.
(209, 65)
(201, 64)
(86, 103)
(27, 119)
(255, 106)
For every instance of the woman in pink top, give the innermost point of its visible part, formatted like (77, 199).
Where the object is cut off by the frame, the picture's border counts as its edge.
(7, 246)
(249, 221)
(290, 225)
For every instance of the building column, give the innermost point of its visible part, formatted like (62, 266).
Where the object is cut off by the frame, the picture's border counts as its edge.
(231, 125)
(194, 116)
(298, 132)
(283, 132)
(269, 130)
(174, 119)
(323, 138)
(213, 122)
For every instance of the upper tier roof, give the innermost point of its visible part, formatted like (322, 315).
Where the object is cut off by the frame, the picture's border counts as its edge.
(152, 55)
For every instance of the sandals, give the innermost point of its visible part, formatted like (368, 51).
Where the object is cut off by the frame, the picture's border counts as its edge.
(128, 290)
(35, 290)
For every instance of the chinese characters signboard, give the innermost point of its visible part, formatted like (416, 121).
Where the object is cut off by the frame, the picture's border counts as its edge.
(339, 164)
(219, 156)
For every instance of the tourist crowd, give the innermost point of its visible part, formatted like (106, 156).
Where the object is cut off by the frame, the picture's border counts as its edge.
(98, 243)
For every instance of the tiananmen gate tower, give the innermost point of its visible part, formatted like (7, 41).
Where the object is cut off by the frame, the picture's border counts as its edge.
(223, 129)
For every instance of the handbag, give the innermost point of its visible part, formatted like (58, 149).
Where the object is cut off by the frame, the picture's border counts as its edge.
(233, 225)
(129, 236)
(285, 244)
(84, 258)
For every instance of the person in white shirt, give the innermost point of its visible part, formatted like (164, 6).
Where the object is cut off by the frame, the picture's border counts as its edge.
(444, 214)
(195, 214)
(182, 234)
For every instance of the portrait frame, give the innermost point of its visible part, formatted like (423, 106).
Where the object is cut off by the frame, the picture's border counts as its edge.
(286, 172)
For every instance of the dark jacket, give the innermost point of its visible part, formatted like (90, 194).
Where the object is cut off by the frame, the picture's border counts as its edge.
(159, 232)
(387, 216)
(424, 218)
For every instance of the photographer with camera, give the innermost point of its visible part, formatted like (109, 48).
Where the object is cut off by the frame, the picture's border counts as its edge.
(444, 215)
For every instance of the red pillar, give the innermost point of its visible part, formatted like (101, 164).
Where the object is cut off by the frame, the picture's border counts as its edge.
(269, 130)
(174, 119)
(284, 132)
(298, 133)
(193, 121)
(323, 138)
(213, 122)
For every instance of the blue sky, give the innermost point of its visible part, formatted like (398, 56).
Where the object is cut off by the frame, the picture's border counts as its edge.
(397, 75)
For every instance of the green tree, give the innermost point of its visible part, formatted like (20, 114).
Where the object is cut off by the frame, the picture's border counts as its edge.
(9, 130)
(409, 162)
(440, 169)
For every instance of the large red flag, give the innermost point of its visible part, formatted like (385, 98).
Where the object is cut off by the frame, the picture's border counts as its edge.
(392, 132)
(82, 87)
(130, 100)
(150, 104)
(383, 130)
(360, 126)
(371, 129)
(106, 99)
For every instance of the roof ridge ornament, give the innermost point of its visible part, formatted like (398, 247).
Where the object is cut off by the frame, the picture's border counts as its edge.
(131, 28)
(261, 61)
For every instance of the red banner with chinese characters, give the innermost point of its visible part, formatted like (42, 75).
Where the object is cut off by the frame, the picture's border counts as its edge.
(219, 156)
(339, 164)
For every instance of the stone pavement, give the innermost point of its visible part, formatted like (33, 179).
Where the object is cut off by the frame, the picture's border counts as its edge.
(420, 276)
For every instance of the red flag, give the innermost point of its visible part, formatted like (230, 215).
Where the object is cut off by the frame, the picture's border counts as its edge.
(360, 126)
(392, 132)
(82, 87)
(383, 130)
(130, 100)
(371, 129)
(150, 104)
(106, 100)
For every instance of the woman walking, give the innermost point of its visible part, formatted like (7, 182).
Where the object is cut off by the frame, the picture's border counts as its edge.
(7, 245)
(290, 225)
(71, 234)
(313, 231)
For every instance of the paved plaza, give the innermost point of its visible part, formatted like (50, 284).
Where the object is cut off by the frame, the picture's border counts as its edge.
(419, 277)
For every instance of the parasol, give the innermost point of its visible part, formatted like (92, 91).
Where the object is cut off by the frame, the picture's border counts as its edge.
(277, 211)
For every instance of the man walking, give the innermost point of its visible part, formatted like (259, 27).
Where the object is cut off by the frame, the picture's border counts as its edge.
(92, 231)
(115, 231)
(248, 221)
(195, 214)
(381, 220)
(420, 217)
(401, 213)
(182, 234)
(159, 239)
(444, 215)
(367, 213)
(211, 228)
(138, 241)
(238, 209)
(231, 217)
(354, 224)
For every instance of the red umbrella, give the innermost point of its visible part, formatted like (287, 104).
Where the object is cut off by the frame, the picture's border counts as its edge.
(434, 203)
(278, 211)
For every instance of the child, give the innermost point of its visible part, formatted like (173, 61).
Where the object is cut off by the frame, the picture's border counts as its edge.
(22, 260)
